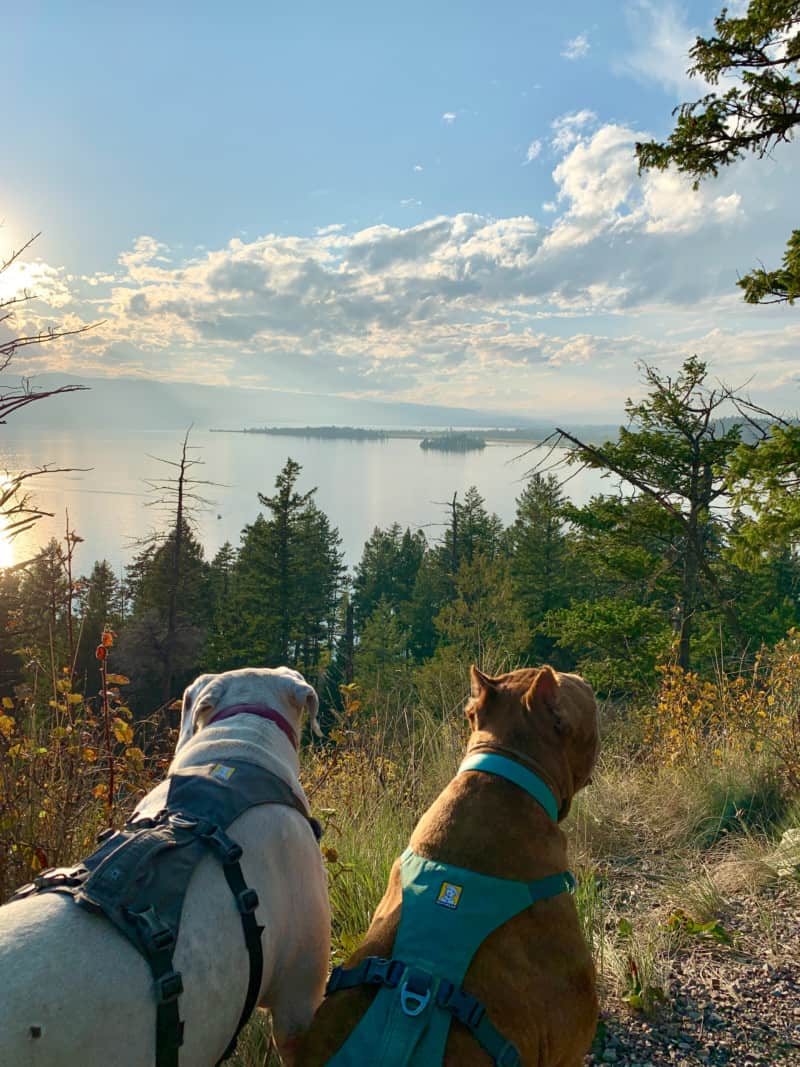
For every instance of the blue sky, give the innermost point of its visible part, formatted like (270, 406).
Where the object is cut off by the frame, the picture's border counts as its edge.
(424, 202)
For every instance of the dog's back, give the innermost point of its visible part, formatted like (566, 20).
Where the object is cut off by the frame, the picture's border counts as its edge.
(75, 991)
(534, 973)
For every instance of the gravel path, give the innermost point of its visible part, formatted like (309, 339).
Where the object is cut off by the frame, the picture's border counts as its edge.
(726, 1005)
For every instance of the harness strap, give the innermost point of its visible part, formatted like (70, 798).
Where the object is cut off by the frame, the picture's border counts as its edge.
(247, 902)
(516, 773)
(229, 853)
(417, 987)
(157, 943)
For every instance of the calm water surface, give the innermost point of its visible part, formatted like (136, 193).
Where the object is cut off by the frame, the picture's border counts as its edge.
(360, 485)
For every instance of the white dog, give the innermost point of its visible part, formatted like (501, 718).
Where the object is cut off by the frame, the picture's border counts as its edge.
(76, 992)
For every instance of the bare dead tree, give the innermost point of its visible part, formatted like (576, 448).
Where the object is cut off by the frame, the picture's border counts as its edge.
(18, 512)
(178, 498)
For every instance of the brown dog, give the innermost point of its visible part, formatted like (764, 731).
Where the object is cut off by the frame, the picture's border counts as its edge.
(534, 974)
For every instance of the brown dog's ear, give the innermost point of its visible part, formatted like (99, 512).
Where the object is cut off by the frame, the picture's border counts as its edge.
(481, 683)
(543, 695)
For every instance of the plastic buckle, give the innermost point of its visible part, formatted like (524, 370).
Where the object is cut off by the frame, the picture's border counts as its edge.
(415, 993)
(181, 821)
(225, 847)
(49, 876)
(394, 972)
(334, 980)
(376, 970)
(247, 901)
(461, 1005)
(508, 1056)
(169, 986)
(572, 884)
(105, 834)
(154, 932)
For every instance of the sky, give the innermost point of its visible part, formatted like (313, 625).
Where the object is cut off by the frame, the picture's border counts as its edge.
(428, 202)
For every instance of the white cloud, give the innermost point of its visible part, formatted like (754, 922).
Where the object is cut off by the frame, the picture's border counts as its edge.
(491, 311)
(449, 117)
(601, 192)
(662, 39)
(418, 168)
(410, 202)
(569, 128)
(577, 47)
(534, 148)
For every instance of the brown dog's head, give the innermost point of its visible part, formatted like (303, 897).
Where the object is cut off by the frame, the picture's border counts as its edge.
(546, 717)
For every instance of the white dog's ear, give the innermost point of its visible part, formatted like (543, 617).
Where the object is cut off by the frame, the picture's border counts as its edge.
(305, 696)
(188, 708)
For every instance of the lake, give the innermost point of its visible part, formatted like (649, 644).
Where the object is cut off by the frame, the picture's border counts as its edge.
(360, 485)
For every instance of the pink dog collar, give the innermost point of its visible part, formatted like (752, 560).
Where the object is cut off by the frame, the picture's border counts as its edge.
(263, 712)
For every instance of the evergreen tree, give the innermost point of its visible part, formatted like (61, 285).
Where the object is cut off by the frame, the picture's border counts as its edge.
(675, 451)
(41, 625)
(286, 582)
(98, 608)
(482, 621)
(756, 56)
(381, 653)
(286, 507)
(162, 642)
(222, 608)
(540, 561)
(388, 570)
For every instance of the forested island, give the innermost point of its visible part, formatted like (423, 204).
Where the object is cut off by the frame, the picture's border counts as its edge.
(454, 442)
(329, 433)
(444, 440)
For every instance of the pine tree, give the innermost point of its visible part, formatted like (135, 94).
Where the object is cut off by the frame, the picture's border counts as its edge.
(540, 563)
(756, 57)
(286, 582)
(98, 609)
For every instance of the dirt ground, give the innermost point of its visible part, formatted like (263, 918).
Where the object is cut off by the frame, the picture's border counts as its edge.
(725, 1004)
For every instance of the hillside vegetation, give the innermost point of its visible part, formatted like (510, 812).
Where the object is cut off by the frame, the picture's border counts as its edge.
(675, 594)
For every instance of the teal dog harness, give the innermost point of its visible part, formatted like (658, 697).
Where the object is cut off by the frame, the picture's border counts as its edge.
(447, 913)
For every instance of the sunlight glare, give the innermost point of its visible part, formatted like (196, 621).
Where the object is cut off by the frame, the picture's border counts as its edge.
(6, 547)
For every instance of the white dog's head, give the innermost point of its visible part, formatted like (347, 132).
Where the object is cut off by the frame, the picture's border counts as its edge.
(280, 688)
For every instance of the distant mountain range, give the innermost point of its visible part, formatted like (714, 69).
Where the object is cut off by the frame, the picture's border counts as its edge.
(135, 403)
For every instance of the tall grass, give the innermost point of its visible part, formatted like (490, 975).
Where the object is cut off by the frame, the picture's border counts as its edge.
(704, 776)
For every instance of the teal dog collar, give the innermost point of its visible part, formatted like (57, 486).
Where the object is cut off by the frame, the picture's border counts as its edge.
(514, 772)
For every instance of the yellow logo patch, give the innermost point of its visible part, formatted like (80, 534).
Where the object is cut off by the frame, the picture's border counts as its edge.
(220, 771)
(449, 895)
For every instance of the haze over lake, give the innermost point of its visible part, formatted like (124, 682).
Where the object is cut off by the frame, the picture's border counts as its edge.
(360, 485)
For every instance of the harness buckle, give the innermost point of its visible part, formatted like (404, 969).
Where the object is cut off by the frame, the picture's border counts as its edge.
(228, 850)
(508, 1056)
(380, 971)
(415, 992)
(156, 935)
(105, 834)
(169, 987)
(247, 901)
(467, 1009)
(181, 821)
(334, 981)
(394, 972)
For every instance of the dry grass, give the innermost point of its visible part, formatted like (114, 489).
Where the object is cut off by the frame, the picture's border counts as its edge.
(661, 843)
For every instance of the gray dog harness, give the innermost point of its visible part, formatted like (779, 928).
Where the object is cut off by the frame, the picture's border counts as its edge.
(139, 876)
